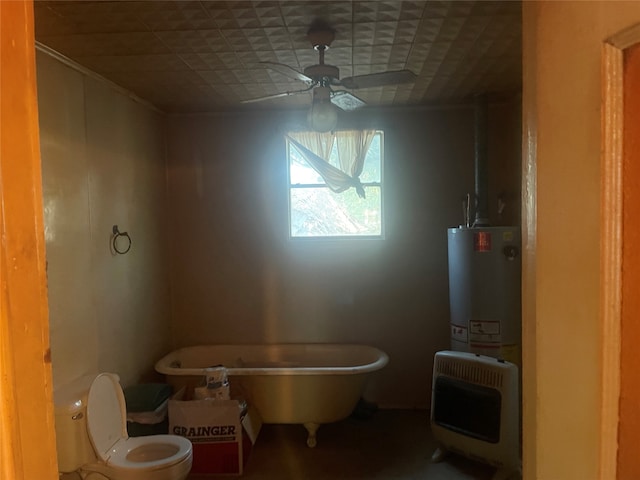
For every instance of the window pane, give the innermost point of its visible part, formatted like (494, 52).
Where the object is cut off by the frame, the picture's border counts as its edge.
(300, 172)
(320, 212)
(372, 163)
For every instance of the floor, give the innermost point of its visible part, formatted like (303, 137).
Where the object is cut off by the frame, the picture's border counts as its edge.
(390, 445)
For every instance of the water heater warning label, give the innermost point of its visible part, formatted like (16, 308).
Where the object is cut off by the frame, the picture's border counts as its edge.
(482, 241)
(485, 327)
(459, 333)
(485, 331)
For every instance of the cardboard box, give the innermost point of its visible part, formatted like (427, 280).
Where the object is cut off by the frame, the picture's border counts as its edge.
(222, 437)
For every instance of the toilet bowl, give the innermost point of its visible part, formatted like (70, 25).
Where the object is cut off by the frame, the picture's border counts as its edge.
(100, 421)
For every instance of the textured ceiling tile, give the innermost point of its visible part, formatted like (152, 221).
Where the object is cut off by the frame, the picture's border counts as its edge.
(384, 33)
(303, 13)
(254, 59)
(457, 52)
(268, 13)
(402, 95)
(278, 77)
(364, 33)
(438, 51)
(416, 66)
(457, 48)
(450, 29)
(148, 84)
(174, 15)
(221, 14)
(298, 36)
(430, 69)
(127, 43)
(448, 69)
(345, 71)
(412, 10)
(498, 50)
(133, 63)
(286, 57)
(400, 52)
(196, 62)
(495, 8)
(239, 90)
(428, 29)
(336, 56)
(238, 39)
(477, 27)
(258, 76)
(406, 31)
(186, 78)
(211, 76)
(496, 27)
(343, 37)
(248, 77)
(461, 8)
(419, 91)
(86, 17)
(376, 11)
(251, 58)
(193, 41)
(308, 57)
(210, 61)
(218, 76)
(369, 55)
(436, 9)
(375, 68)
(419, 51)
(273, 38)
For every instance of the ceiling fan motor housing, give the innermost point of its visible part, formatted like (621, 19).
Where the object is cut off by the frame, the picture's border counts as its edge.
(321, 37)
(318, 72)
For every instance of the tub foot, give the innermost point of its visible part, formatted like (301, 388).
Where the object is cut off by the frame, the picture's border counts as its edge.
(438, 455)
(312, 428)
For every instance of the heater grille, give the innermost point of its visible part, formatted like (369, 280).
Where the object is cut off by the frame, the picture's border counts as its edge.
(469, 372)
(475, 408)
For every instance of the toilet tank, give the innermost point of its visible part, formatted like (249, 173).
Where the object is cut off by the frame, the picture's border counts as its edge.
(72, 439)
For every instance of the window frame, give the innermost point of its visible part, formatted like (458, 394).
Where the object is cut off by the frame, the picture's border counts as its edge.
(380, 185)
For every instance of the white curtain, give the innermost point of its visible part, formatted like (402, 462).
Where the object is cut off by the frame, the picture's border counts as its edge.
(315, 147)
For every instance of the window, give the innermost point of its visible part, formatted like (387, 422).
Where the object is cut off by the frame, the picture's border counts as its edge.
(316, 210)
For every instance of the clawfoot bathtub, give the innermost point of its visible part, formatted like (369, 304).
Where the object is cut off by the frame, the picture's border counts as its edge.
(308, 384)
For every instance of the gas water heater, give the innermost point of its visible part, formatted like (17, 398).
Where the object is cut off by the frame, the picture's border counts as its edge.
(484, 291)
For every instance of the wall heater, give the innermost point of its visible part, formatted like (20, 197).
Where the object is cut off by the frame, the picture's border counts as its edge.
(475, 409)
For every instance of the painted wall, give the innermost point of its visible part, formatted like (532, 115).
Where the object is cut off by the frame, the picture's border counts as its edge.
(103, 163)
(564, 87)
(236, 277)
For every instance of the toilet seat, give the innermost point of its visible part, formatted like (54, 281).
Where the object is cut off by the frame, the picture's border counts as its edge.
(107, 429)
(139, 452)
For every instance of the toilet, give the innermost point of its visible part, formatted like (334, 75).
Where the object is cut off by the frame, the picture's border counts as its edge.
(92, 440)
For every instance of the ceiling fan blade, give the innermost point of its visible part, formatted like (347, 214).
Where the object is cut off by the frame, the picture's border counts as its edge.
(346, 101)
(378, 79)
(277, 95)
(287, 71)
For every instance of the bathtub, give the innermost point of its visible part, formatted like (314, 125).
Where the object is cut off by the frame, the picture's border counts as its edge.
(308, 384)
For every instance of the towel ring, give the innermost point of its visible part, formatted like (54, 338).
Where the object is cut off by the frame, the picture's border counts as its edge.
(117, 233)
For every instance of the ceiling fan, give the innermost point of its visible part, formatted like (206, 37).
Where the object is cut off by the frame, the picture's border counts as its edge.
(323, 80)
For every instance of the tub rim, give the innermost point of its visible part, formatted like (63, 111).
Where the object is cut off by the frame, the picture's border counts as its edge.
(163, 365)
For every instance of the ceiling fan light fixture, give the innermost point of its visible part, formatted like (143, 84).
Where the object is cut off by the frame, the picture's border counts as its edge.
(323, 115)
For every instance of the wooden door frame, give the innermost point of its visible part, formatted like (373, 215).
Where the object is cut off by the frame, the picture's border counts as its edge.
(27, 434)
(611, 241)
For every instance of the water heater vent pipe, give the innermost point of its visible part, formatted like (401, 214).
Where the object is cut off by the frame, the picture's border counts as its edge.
(481, 162)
